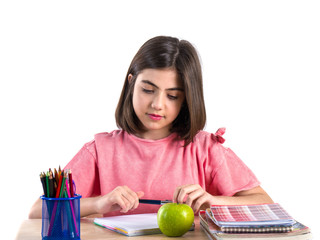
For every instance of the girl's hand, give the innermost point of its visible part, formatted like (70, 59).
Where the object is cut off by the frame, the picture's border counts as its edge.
(193, 195)
(121, 198)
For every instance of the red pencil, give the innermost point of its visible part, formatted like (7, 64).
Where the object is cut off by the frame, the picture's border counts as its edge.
(59, 186)
(71, 184)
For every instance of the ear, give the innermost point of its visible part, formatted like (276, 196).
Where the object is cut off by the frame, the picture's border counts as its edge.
(130, 78)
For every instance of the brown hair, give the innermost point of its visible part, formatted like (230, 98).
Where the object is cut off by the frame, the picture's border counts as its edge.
(159, 53)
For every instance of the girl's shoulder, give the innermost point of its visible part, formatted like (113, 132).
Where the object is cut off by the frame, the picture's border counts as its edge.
(112, 134)
(109, 137)
(204, 136)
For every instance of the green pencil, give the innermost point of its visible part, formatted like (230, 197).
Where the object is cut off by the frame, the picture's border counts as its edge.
(62, 184)
(47, 183)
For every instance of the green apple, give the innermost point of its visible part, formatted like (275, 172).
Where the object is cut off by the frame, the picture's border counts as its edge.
(175, 219)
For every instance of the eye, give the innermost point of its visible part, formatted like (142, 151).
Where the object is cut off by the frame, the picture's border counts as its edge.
(171, 97)
(147, 90)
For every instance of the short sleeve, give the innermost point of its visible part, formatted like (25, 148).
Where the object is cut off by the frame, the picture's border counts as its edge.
(230, 174)
(85, 172)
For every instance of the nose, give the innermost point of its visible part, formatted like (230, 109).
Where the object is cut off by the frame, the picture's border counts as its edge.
(158, 102)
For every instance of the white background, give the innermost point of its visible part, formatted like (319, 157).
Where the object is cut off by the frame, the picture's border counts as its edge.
(63, 63)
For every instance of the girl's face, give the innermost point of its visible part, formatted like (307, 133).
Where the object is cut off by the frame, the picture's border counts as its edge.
(157, 99)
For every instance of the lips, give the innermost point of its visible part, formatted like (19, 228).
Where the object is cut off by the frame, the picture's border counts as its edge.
(155, 117)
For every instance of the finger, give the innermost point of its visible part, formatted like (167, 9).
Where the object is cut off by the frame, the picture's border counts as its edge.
(179, 195)
(193, 196)
(122, 198)
(119, 200)
(185, 190)
(126, 204)
(176, 193)
(140, 194)
(131, 197)
(129, 194)
(200, 201)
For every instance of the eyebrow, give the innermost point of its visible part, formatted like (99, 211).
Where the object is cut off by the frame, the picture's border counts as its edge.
(170, 89)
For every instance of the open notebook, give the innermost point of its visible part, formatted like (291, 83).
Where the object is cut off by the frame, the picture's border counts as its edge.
(131, 225)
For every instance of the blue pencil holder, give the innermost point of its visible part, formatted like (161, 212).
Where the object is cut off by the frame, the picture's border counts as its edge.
(61, 218)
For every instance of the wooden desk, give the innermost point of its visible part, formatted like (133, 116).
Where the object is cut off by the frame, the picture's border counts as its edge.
(31, 230)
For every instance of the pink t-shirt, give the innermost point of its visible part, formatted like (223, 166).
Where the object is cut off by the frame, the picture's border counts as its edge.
(157, 167)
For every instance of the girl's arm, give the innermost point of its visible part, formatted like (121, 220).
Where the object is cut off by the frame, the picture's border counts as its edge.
(121, 198)
(197, 198)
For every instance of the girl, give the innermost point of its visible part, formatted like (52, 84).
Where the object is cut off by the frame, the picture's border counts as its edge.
(160, 151)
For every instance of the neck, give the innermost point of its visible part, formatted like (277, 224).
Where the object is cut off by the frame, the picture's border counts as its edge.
(153, 135)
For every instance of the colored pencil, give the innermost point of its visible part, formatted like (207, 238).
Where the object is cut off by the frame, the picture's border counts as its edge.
(71, 184)
(63, 175)
(59, 186)
(51, 185)
(43, 182)
(59, 171)
(47, 184)
(56, 176)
